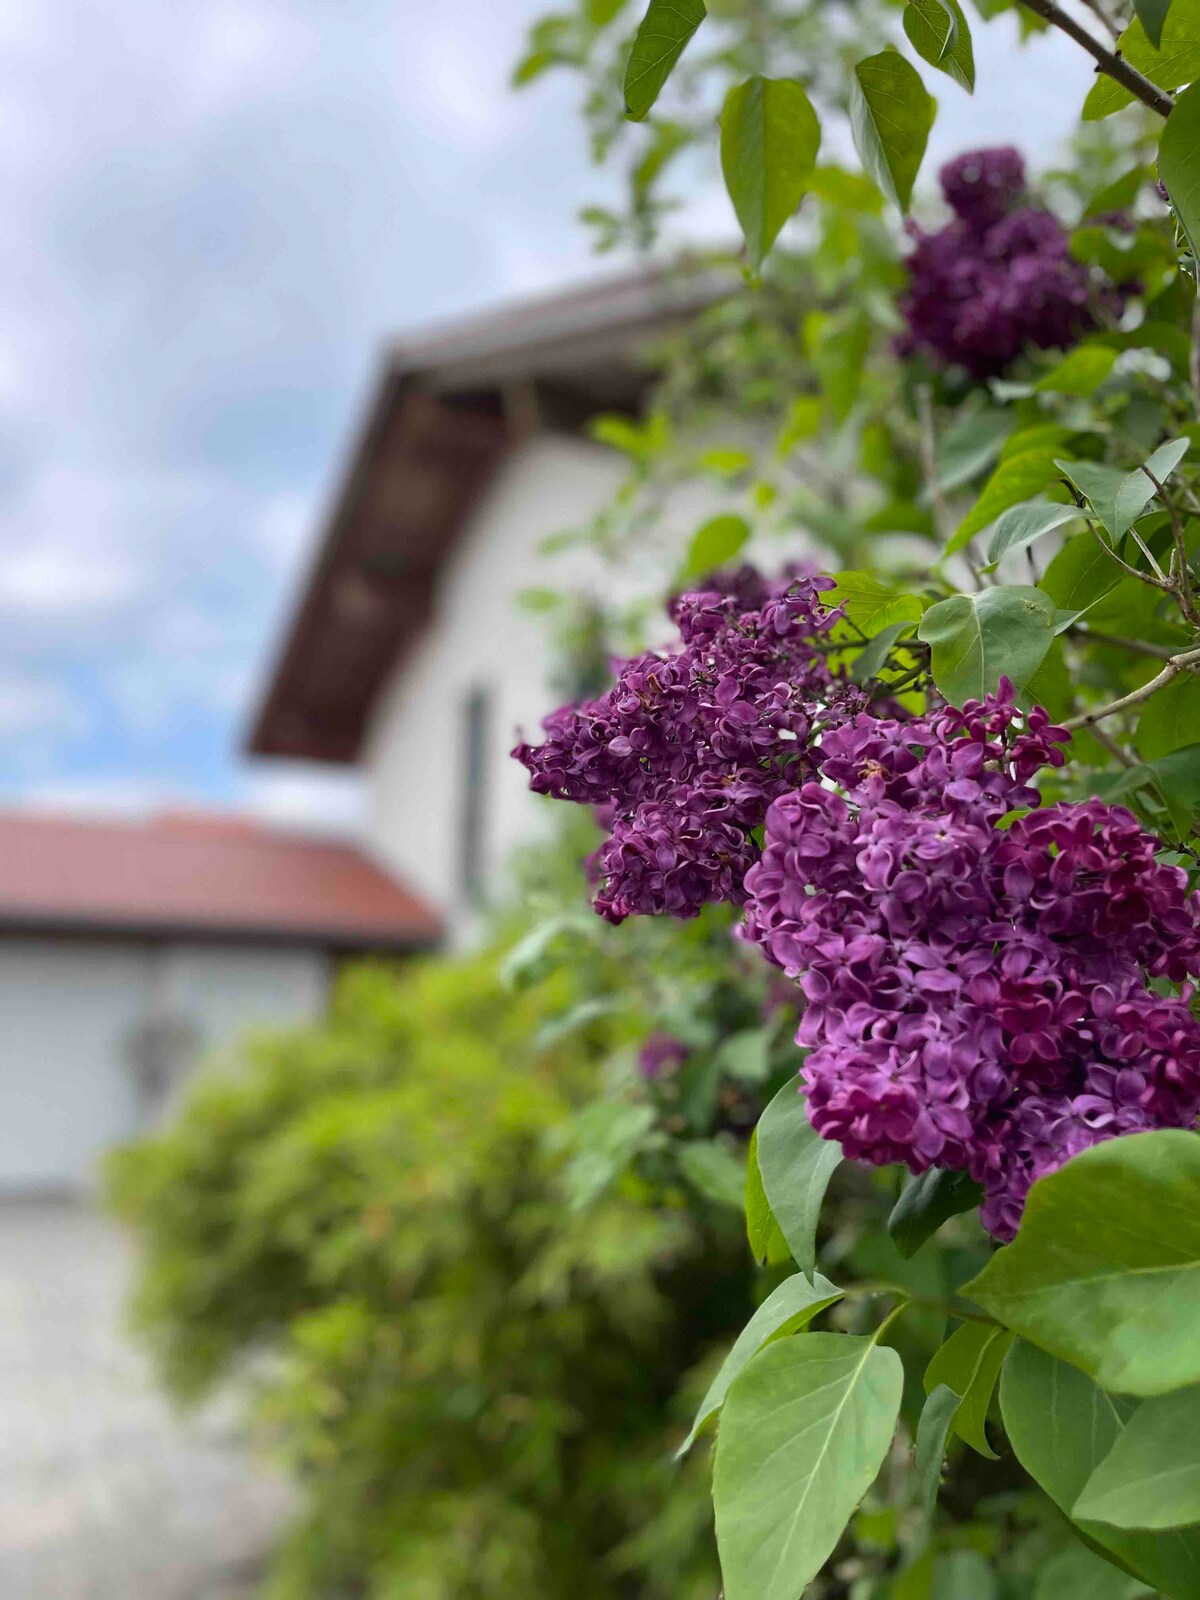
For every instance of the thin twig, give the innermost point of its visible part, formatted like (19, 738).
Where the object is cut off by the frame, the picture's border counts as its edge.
(1187, 661)
(1194, 354)
(1113, 748)
(1140, 647)
(1134, 572)
(1115, 66)
(1179, 567)
(1102, 15)
(1150, 557)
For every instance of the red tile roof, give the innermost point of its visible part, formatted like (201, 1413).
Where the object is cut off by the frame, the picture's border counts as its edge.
(204, 876)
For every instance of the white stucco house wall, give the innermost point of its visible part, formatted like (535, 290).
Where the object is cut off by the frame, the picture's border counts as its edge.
(409, 657)
(129, 951)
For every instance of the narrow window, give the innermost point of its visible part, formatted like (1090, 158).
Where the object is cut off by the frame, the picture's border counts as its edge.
(472, 866)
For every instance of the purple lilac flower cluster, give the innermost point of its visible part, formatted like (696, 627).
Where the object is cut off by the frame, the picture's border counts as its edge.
(683, 755)
(997, 279)
(977, 997)
(660, 1055)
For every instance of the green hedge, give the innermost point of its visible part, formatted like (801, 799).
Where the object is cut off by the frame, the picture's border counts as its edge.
(475, 1383)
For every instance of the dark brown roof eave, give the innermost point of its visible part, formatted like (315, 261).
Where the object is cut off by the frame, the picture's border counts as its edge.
(446, 410)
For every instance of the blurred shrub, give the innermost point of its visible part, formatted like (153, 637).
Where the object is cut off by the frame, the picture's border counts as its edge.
(470, 1364)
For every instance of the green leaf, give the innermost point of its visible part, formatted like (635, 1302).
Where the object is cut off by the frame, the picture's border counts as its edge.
(1017, 478)
(1151, 1476)
(969, 445)
(872, 656)
(805, 1429)
(1117, 497)
(969, 1363)
(1165, 459)
(933, 1431)
(662, 37)
(718, 541)
(790, 1307)
(1174, 63)
(1177, 779)
(767, 1244)
(1080, 574)
(1119, 195)
(1021, 525)
(926, 1202)
(1061, 1425)
(962, 1575)
(1105, 1271)
(837, 346)
(533, 958)
(1081, 372)
(745, 1055)
(1179, 163)
(603, 1139)
(1152, 14)
(1170, 719)
(870, 604)
(796, 1166)
(770, 136)
(939, 34)
(891, 114)
(976, 639)
(1077, 1574)
(715, 1172)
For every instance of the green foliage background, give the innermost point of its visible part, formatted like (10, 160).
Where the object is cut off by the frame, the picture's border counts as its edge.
(472, 1378)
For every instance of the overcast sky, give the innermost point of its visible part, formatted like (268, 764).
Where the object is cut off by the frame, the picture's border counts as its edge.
(214, 211)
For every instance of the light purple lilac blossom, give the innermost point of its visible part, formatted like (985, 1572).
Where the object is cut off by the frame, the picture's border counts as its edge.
(977, 998)
(998, 279)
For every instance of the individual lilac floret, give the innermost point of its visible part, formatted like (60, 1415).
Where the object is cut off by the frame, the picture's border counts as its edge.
(977, 997)
(660, 1055)
(998, 279)
(689, 747)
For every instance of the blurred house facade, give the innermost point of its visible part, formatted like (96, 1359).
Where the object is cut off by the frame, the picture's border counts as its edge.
(128, 950)
(409, 656)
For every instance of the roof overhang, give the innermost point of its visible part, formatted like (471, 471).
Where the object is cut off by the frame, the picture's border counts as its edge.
(447, 410)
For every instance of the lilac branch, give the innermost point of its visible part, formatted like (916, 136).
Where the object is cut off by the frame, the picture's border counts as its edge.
(1113, 65)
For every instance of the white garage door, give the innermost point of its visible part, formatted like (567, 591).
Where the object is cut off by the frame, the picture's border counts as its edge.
(67, 1011)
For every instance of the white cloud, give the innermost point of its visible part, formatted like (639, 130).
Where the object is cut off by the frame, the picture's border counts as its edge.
(50, 581)
(102, 796)
(33, 705)
(308, 798)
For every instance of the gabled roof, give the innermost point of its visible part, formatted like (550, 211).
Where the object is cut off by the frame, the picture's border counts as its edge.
(192, 875)
(447, 408)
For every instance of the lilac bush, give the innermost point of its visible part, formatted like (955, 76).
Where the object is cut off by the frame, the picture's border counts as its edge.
(976, 969)
(996, 280)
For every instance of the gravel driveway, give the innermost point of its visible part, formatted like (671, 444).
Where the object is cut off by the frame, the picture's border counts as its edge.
(104, 1494)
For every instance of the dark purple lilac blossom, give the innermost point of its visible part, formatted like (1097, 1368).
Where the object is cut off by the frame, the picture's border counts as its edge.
(689, 747)
(998, 279)
(980, 974)
(977, 997)
(661, 1054)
